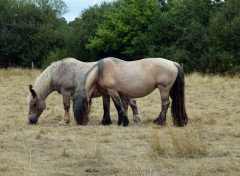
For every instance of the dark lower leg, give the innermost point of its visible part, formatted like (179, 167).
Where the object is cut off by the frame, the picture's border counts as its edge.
(136, 115)
(133, 105)
(125, 101)
(161, 120)
(164, 92)
(122, 118)
(106, 107)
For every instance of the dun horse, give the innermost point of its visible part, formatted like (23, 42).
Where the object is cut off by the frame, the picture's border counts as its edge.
(134, 79)
(64, 76)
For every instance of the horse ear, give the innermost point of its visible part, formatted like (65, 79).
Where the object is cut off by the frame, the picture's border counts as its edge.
(32, 91)
(71, 98)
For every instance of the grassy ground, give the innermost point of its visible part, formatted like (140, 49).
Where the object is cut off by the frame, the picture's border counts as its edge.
(209, 145)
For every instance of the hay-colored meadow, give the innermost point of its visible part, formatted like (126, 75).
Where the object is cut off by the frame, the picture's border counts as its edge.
(209, 145)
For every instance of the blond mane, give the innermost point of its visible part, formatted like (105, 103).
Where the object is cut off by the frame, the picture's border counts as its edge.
(42, 84)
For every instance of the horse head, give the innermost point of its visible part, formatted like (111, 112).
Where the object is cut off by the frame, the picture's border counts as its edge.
(81, 107)
(36, 106)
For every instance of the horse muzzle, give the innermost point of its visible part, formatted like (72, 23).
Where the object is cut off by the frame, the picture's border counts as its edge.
(33, 119)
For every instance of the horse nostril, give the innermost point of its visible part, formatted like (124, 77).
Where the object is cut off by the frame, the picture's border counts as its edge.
(33, 121)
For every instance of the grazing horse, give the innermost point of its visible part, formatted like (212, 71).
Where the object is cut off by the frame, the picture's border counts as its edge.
(135, 79)
(64, 76)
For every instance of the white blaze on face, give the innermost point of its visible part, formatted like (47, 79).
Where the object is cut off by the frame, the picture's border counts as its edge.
(29, 98)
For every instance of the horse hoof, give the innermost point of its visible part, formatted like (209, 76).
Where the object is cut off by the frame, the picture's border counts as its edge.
(106, 122)
(125, 122)
(119, 123)
(63, 123)
(157, 121)
(137, 119)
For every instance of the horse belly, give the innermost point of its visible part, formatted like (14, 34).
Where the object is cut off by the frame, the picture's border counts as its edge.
(135, 85)
(136, 91)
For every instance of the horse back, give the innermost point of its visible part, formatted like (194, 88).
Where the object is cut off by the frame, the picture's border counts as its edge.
(154, 70)
(68, 74)
(138, 78)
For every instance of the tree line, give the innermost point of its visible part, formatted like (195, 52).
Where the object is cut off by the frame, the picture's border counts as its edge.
(203, 35)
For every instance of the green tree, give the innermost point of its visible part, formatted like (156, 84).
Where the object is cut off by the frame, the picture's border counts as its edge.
(118, 34)
(201, 34)
(179, 33)
(224, 39)
(29, 31)
(84, 27)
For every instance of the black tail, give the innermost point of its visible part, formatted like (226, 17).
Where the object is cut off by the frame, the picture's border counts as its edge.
(80, 107)
(178, 99)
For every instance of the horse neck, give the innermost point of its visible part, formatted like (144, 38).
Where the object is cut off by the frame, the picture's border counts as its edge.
(43, 94)
(43, 87)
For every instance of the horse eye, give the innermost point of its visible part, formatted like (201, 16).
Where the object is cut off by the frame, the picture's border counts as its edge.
(34, 104)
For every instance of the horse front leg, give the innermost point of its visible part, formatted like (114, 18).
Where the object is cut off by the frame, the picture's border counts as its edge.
(66, 105)
(125, 103)
(164, 92)
(122, 116)
(106, 107)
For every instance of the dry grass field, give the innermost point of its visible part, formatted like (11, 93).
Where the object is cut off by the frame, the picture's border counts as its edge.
(209, 145)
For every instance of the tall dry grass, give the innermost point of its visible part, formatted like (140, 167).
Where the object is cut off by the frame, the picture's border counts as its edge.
(209, 145)
(158, 146)
(188, 142)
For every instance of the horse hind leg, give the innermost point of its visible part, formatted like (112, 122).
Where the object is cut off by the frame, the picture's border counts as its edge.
(66, 105)
(136, 114)
(133, 104)
(122, 117)
(106, 107)
(164, 92)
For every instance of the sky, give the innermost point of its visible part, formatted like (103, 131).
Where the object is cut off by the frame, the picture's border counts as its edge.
(75, 7)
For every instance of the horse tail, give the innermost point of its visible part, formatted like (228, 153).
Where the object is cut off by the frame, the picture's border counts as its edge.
(178, 99)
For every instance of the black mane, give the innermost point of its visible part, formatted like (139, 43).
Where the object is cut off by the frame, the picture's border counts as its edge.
(100, 68)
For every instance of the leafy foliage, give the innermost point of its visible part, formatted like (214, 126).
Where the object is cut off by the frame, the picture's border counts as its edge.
(83, 28)
(224, 43)
(29, 31)
(119, 33)
(203, 35)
